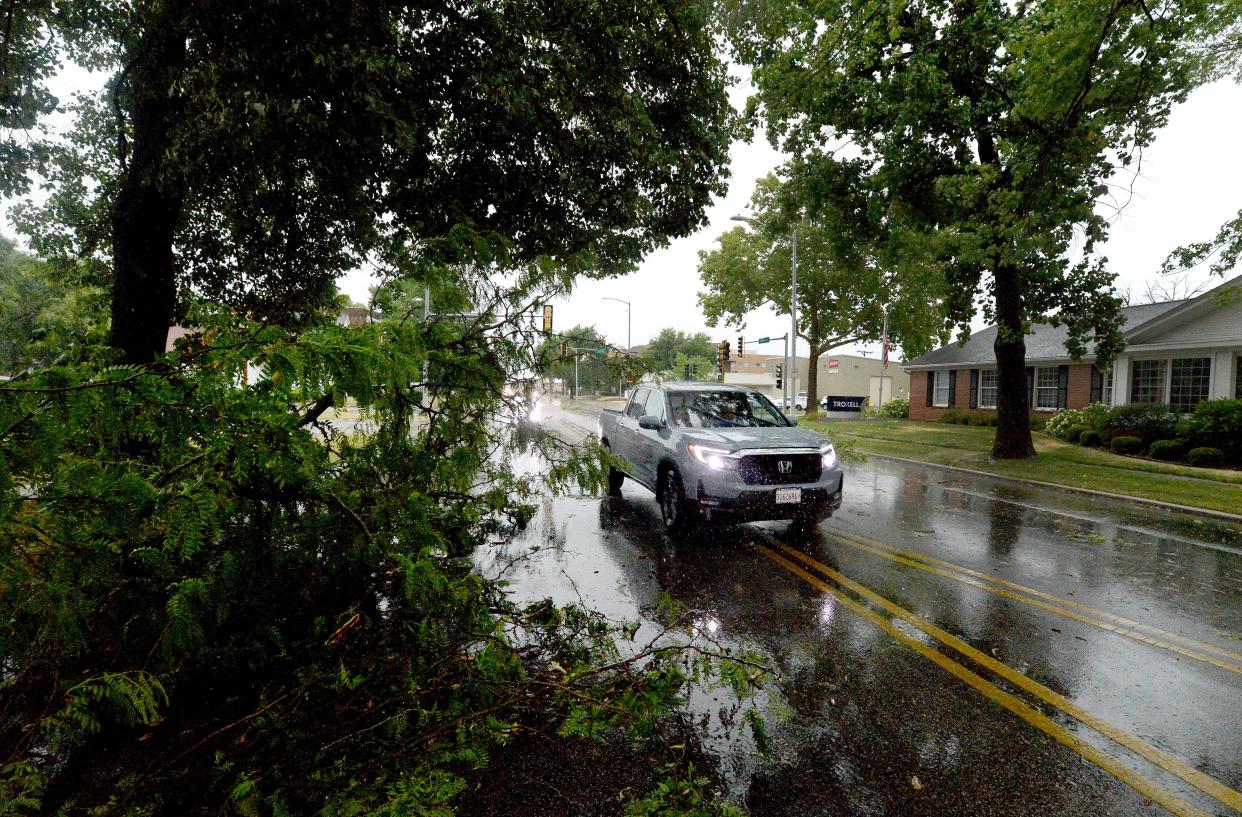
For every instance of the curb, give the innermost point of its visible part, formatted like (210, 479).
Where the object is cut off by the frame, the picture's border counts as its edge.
(1155, 503)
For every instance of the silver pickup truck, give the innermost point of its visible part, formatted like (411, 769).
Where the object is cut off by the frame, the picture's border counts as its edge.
(719, 452)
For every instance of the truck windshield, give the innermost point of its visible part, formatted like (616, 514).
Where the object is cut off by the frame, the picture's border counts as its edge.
(723, 409)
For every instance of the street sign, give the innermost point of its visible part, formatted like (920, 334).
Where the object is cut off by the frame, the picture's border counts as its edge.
(851, 404)
(601, 351)
(763, 340)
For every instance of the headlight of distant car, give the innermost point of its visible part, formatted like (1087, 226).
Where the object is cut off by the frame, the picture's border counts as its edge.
(829, 455)
(714, 458)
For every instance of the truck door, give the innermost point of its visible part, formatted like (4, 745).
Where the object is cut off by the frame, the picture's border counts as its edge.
(623, 444)
(649, 444)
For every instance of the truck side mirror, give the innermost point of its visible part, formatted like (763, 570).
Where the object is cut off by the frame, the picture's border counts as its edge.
(651, 422)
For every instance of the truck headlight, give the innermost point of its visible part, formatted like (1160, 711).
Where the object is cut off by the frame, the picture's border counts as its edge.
(714, 458)
(829, 455)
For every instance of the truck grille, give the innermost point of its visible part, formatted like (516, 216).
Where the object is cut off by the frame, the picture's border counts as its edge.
(764, 469)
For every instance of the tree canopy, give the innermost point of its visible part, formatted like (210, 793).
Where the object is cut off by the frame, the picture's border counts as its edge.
(670, 346)
(217, 599)
(594, 373)
(843, 294)
(247, 154)
(989, 131)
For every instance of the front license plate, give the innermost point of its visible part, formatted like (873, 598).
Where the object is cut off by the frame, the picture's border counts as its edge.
(788, 496)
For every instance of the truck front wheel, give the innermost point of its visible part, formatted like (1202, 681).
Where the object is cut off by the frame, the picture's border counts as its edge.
(678, 515)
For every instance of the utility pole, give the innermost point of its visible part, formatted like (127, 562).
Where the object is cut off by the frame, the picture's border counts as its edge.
(793, 322)
(628, 340)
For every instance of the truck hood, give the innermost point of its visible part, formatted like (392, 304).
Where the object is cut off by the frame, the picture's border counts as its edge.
(733, 439)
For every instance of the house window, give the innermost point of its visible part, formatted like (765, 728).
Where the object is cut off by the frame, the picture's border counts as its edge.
(1237, 381)
(1047, 387)
(1106, 395)
(987, 388)
(1147, 381)
(1188, 382)
(941, 395)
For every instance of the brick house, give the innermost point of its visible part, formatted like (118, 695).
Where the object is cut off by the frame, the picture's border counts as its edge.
(1177, 352)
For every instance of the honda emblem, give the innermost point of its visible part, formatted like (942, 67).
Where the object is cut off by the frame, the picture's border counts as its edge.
(784, 466)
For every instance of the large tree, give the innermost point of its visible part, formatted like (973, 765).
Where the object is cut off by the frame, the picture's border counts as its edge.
(594, 372)
(843, 291)
(215, 600)
(670, 346)
(992, 128)
(248, 153)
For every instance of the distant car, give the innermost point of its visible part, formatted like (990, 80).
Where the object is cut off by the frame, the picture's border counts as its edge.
(712, 451)
(800, 401)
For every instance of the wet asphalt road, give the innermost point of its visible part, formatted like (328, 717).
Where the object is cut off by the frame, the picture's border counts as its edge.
(944, 644)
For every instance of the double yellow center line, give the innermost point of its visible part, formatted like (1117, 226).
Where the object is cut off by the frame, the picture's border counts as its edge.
(789, 559)
(1213, 654)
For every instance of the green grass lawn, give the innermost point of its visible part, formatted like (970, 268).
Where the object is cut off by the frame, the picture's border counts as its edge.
(1057, 462)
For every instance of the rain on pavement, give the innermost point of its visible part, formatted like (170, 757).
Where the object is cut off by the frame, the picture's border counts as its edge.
(945, 644)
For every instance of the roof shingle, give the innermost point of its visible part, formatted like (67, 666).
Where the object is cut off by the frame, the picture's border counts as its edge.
(1045, 342)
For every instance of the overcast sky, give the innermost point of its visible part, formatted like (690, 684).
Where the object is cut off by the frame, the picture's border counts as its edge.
(1191, 183)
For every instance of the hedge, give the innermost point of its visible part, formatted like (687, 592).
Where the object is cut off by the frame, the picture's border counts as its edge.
(1126, 445)
(1205, 457)
(1167, 449)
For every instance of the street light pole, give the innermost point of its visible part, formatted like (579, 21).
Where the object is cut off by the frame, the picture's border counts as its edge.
(791, 388)
(793, 321)
(628, 342)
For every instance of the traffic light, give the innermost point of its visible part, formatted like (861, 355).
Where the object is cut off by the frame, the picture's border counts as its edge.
(779, 370)
(694, 370)
(724, 351)
(741, 346)
(564, 348)
(687, 376)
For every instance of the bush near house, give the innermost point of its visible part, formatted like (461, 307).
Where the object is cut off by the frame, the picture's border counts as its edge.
(1216, 424)
(1147, 422)
(1167, 449)
(1094, 416)
(952, 416)
(1091, 437)
(1062, 421)
(1125, 444)
(982, 418)
(1074, 434)
(898, 409)
(1205, 457)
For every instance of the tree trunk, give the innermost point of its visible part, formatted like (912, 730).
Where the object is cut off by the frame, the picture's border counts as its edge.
(149, 202)
(1013, 431)
(812, 382)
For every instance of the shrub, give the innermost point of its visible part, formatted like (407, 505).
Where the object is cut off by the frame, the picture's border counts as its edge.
(1062, 421)
(1091, 437)
(1167, 449)
(1094, 415)
(1146, 421)
(951, 416)
(1205, 457)
(982, 418)
(1125, 444)
(898, 409)
(1216, 424)
(1074, 433)
(1038, 422)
